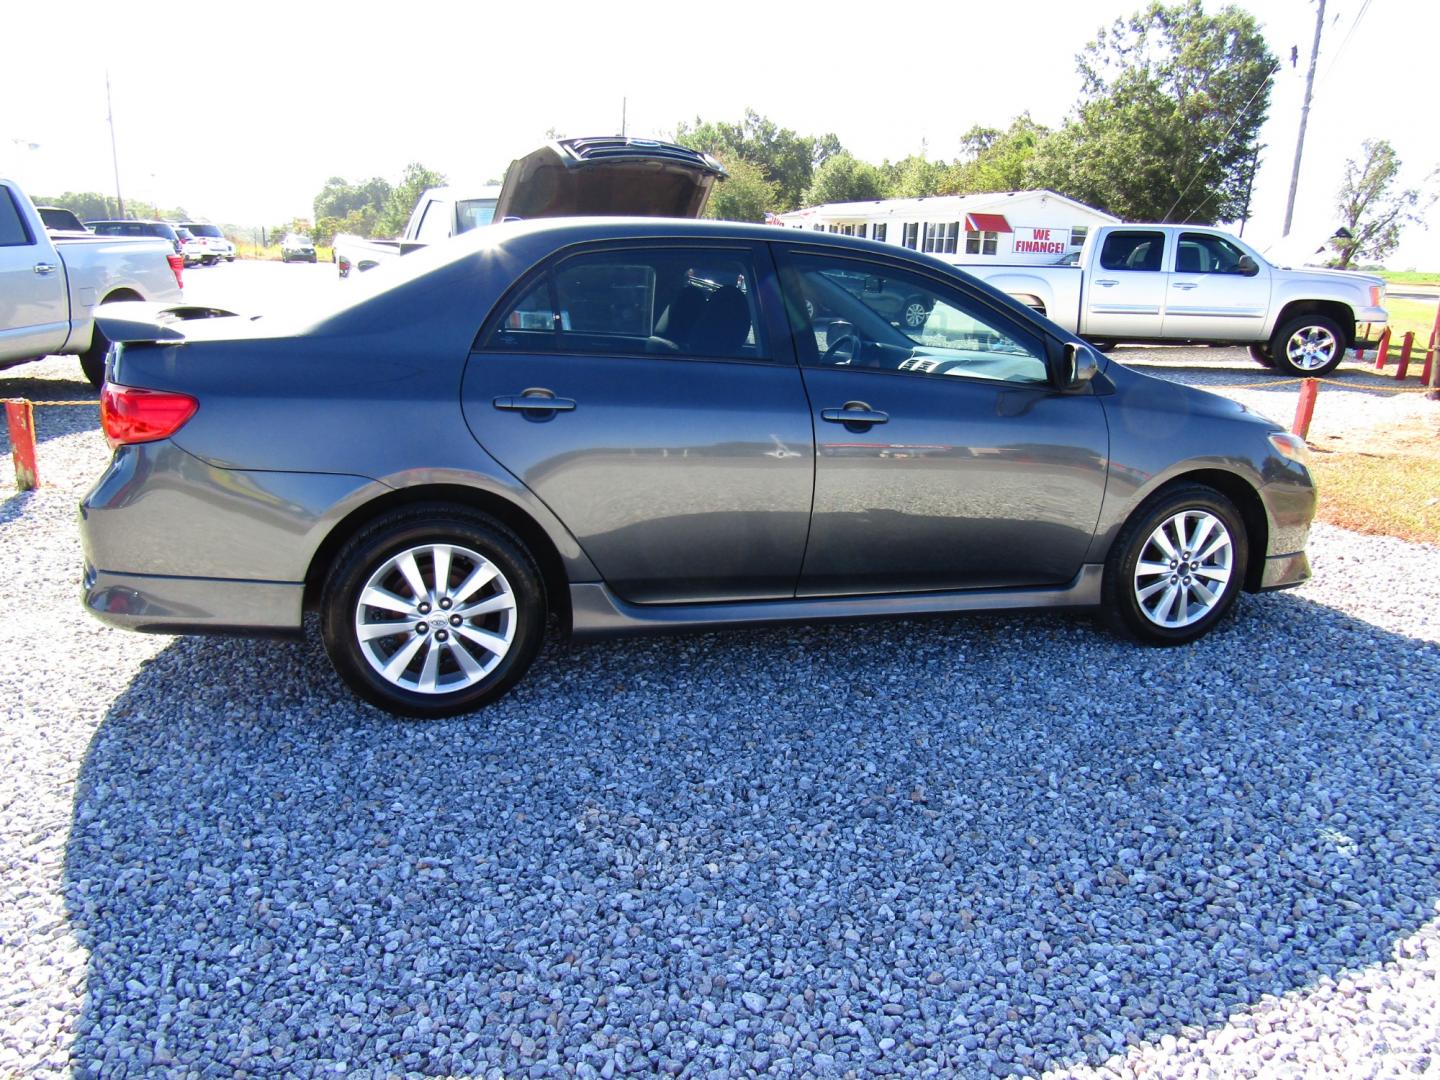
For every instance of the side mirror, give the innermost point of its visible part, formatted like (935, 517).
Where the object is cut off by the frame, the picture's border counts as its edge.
(1247, 266)
(1081, 365)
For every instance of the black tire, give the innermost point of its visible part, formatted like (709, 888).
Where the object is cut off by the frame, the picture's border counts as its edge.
(284, 258)
(92, 360)
(1122, 606)
(367, 553)
(1319, 329)
(1105, 345)
(1262, 355)
(915, 311)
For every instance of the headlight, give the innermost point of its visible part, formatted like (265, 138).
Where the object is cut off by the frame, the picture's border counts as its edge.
(1291, 446)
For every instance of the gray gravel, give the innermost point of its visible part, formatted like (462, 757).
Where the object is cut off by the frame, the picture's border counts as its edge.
(985, 846)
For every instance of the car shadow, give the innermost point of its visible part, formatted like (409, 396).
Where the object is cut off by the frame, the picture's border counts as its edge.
(51, 421)
(647, 833)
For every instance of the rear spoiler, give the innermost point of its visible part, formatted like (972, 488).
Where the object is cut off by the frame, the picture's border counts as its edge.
(137, 320)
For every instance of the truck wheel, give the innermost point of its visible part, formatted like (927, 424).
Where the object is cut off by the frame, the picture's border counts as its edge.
(92, 360)
(432, 610)
(1262, 355)
(1308, 345)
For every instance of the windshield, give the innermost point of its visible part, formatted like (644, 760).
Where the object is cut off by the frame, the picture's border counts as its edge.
(206, 230)
(471, 213)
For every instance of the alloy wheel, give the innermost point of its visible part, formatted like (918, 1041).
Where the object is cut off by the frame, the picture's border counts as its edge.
(1183, 569)
(1311, 348)
(435, 618)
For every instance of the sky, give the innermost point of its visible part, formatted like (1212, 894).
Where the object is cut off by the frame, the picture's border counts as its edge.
(240, 113)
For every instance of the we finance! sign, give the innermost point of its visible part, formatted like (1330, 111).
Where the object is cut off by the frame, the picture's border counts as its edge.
(1041, 241)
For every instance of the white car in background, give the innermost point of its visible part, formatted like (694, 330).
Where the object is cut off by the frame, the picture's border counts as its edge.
(219, 247)
(193, 248)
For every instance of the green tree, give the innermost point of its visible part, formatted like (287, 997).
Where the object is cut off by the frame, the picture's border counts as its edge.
(339, 197)
(416, 181)
(86, 205)
(913, 177)
(745, 196)
(1171, 107)
(844, 178)
(787, 160)
(1373, 212)
(995, 160)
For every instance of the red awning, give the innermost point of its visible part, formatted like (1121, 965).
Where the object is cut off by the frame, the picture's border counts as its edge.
(987, 223)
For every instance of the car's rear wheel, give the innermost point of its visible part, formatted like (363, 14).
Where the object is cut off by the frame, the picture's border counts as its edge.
(1262, 355)
(1177, 566)
(1308, 345)
(432, 611)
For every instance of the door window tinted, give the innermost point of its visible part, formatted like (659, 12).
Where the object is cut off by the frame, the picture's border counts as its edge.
(1204, 253)
(639, 302)
(1133, 251)
(859, 314)
(12, 227)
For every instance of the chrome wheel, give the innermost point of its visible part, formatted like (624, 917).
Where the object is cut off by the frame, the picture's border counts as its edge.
(435, 619)
(1183, 569)
(1311, 348)
(916, 313)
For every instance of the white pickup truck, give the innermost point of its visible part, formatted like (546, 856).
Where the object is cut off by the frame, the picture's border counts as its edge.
(1172, 283)
(608, 175)
(50, 286)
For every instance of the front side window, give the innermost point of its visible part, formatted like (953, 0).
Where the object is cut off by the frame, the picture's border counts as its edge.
(1138, 251)
(639, 302)
(865, 315)
(1205, 253)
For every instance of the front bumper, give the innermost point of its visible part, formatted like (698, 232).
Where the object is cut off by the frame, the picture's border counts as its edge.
(1285, 571)
(185, 605)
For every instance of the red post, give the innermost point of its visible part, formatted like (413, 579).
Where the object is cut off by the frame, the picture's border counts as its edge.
(1406, 344)
(21, 418)
(1425, 371)
(1305, 407)
(1384, 350)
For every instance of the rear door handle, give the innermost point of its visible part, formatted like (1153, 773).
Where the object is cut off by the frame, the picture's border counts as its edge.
(1186, 285)
(854, 413)
(1107, 282)
(535, 401)
(45, 268)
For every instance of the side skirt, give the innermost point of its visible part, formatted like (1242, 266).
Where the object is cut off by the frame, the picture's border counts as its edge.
(597, 612)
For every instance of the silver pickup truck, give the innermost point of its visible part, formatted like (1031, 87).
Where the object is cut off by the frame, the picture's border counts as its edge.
(51, 286)
(1173, 283)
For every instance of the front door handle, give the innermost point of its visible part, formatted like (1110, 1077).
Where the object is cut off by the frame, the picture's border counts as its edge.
(1186, 285)
(1107, 282)
(854, 412)
(45, 268)
(536, 401)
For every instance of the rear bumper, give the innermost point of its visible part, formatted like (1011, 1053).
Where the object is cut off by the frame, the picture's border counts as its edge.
(186, 605)
(1285, 571)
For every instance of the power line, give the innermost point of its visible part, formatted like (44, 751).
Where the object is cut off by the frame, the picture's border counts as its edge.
(1335, 60)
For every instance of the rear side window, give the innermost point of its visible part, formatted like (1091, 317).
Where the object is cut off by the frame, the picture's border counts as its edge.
(697, 303)
(1140, 251)
(13, 232)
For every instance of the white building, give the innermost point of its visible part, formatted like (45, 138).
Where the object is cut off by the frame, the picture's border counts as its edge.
(999, 226)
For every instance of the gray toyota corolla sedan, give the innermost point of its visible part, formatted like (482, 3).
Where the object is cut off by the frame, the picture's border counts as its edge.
(646, 424)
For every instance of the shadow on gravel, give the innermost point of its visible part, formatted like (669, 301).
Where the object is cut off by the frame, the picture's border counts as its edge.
(53, 421)
(984, 845)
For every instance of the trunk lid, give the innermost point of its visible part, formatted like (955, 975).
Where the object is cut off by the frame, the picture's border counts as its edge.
(610, 177)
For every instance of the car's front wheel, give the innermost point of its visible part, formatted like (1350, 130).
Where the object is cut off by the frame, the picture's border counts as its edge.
(915, 312)
(1177, 566)
(432, 611)
(1308, 345)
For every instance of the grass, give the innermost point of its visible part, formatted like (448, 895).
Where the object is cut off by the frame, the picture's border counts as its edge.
(1411, 277)
(1416, 315)
(1390, 488)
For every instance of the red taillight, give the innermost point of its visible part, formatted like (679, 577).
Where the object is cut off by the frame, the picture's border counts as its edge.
(177, 267)
(129, 414)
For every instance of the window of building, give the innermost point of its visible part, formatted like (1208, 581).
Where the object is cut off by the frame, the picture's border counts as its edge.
(977, 243)
(911, 235)
(1078, 234)
(879, 232)
(860, 230)
(942, 237)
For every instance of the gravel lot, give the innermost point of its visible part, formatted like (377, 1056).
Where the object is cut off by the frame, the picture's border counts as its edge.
(982, 846)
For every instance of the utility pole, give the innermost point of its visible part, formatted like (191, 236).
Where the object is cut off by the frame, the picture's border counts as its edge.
(1304, 116)
(114, 157)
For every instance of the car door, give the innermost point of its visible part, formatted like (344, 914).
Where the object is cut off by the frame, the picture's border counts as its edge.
(1125, 290)
(1216, 291)
(34, 307)
(638, 390)
(945, 458)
